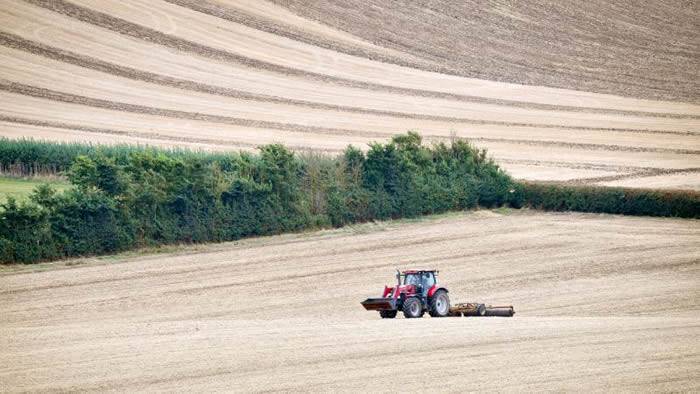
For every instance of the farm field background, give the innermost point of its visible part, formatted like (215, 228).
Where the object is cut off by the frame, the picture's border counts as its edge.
(21, 188)
(530, 83)
(603, 302)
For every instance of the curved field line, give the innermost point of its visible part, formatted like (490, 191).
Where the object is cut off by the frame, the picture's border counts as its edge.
(580, 165)
(240, 17)
(142, 109)
(236, 16)
(149, 136)
(270, 26)
(156, 37)
(636, 175)
(156, 138)
(15, 42)
(489, 122)
(33, 91)
(565, 44)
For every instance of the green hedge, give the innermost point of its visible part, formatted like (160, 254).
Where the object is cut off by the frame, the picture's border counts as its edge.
(602, 199)
(27, 157)
(128, 197)
(125, 197)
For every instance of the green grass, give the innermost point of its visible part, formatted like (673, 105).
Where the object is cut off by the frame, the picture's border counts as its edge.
(21, 188)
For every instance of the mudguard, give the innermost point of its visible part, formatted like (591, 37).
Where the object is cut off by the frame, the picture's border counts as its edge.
(434, 289)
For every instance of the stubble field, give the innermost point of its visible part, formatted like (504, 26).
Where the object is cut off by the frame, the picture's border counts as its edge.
(603, 303)
(593, 94)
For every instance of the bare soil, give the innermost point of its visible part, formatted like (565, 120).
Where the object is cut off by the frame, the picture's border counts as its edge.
(576, 88)
(604, 303)
(597, 46)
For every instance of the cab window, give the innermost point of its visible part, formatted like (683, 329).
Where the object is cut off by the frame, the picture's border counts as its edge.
(412, 279)
(429, 279)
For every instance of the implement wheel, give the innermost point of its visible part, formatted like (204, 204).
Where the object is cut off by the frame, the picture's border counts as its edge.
(387, 314)
(440, 304)
(412, 308)
(481, 310)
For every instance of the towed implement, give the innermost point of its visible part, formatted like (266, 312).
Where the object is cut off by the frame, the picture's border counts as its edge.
(417, 292)
(474, 309)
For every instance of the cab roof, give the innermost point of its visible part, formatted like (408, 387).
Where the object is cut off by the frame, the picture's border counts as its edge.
(417, 271)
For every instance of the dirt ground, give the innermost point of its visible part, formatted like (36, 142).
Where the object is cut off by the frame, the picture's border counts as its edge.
(604, 303)
(584, 93)
(595, 46)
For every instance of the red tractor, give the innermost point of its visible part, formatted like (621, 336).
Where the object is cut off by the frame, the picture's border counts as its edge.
(416, 292)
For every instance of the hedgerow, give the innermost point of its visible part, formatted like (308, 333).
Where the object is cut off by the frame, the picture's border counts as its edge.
(602, 199)
(126, 197)
(27, 157)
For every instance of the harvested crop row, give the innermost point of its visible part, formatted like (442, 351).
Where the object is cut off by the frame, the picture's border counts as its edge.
(224, 75)
(620, 47)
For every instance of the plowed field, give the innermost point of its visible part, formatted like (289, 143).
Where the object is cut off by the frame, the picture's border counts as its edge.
(592, 93)
(604, 303)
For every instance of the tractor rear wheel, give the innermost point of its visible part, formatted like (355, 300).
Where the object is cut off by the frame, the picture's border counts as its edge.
(412, 308)
(440, 304)
(387, 314)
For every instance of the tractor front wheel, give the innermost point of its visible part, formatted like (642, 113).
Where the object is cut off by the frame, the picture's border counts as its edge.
(440, 304)
(387, 314)
(412, 308)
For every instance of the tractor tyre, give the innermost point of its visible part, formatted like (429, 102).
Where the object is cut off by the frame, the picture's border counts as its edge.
(387, 314)
(412, 308)
(440, 304)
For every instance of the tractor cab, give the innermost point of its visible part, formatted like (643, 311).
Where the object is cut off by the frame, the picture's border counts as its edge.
(422, 280)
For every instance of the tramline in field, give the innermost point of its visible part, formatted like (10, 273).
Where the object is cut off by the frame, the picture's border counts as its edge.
(417, 292)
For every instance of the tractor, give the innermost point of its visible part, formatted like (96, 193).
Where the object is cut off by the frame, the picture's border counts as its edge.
(415, 293)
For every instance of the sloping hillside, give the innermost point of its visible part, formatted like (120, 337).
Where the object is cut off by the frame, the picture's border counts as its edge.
(602, 302)
(626, 47)
(609, 95)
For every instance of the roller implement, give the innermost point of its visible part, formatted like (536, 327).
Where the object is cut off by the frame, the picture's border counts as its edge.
(418, 292)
